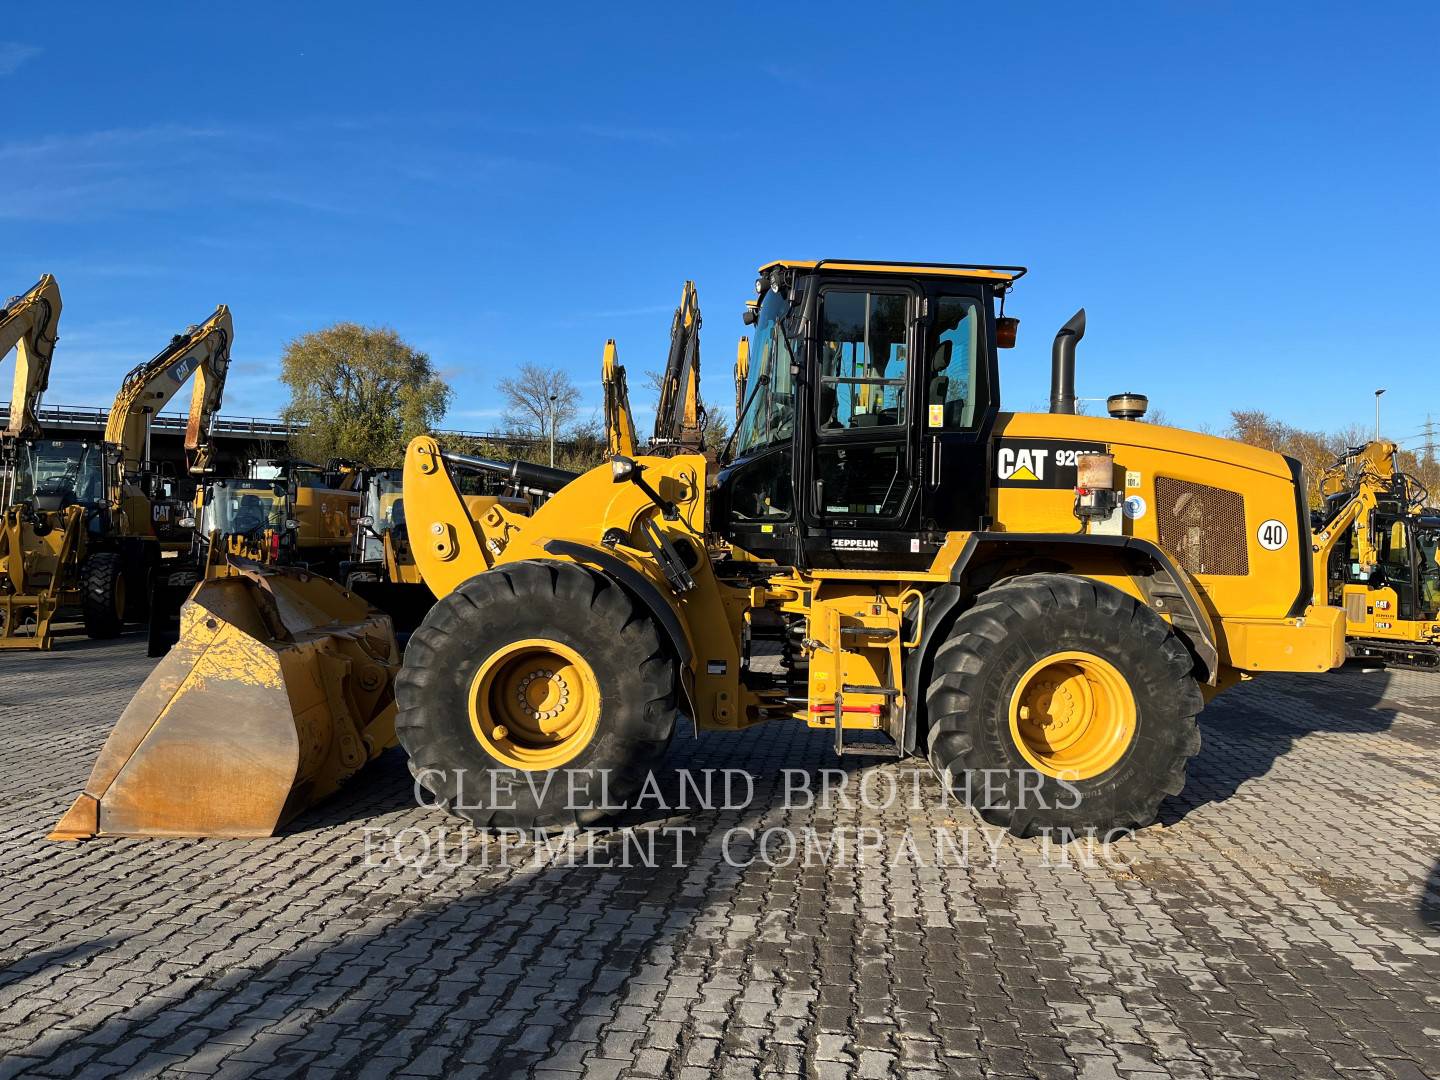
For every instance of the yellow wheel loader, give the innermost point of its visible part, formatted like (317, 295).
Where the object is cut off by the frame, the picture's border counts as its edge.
(282, 512)
(382, 566)
(1037, 604)
(1376, 558)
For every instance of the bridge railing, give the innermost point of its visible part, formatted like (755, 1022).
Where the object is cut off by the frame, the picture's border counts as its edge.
(88, 417)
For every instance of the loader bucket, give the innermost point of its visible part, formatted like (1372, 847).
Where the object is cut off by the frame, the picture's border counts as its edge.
(278, 691)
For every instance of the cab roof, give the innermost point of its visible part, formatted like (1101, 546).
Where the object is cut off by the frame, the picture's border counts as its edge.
(962, 270)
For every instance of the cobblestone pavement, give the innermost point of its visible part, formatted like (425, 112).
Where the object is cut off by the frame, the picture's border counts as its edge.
(1283, 921)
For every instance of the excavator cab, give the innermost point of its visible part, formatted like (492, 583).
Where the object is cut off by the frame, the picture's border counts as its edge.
(867, 403)
(51, 474)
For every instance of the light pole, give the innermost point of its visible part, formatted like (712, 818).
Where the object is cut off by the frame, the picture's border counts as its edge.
(1377, 413)
(552, 429)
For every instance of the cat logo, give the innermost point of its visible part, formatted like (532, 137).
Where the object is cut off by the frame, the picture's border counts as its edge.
(1025, 463)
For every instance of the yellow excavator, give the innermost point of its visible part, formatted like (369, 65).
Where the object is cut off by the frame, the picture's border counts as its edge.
(80, 528)
(1039, 605)
(29, 594)
(1375, 555)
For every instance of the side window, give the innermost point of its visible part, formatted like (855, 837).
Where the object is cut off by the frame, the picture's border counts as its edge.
(864, 359)
(953, 374)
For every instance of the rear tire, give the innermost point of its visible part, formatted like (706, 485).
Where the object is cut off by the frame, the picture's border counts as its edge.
(573, 640)
(1046, 659)
(103, 595)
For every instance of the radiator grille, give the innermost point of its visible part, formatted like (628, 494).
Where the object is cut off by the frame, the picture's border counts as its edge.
(1203, 527)
(1355, 607)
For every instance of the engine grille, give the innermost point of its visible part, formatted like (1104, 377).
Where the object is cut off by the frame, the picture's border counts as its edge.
(1203, 527)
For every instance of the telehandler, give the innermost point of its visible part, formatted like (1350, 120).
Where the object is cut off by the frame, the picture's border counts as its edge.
(1040, 601)
(1376, 558)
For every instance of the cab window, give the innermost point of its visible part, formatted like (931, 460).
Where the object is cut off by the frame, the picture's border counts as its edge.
(864, 358)
(954, 370)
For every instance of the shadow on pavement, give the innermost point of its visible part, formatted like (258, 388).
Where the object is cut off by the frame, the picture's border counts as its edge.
(1246, 730)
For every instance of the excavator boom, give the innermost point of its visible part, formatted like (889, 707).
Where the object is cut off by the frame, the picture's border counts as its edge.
(203, 351)
(679, 415)
(29, 324)
(620, 437)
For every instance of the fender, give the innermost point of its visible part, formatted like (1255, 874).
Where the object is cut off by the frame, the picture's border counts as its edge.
(1165, 583)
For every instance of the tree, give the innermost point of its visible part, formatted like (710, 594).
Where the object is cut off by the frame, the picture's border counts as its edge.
(359, 392)
(539, 401)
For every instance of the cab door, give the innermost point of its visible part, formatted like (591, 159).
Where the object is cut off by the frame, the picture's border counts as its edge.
(859, 483)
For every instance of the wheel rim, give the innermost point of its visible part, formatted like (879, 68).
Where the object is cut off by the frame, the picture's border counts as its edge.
(534, 704)
(1072, 715)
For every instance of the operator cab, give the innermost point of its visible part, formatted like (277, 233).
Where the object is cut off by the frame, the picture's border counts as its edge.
(51, 474)
(865, 412)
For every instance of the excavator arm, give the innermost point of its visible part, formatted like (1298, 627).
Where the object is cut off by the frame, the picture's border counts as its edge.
(202, 351)
(679, 415)
(29, 324)
(620, 435)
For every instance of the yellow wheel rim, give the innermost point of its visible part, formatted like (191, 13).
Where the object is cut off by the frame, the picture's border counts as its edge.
(534, 704)
(1072, 715)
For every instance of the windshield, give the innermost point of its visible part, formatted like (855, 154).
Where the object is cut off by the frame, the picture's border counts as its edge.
(68, 469)
(769, 389)
(385, 511)
(243, 507)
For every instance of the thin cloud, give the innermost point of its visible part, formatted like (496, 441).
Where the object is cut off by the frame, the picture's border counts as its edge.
(15, 53)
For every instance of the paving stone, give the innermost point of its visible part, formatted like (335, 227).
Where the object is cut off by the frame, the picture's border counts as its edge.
(1280, 920)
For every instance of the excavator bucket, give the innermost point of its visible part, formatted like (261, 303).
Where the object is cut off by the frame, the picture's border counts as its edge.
(279, 690)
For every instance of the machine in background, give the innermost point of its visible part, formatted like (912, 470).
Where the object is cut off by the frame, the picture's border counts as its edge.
(1377, 557)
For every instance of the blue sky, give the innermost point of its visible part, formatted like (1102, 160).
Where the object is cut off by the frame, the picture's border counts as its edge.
(1244, 198)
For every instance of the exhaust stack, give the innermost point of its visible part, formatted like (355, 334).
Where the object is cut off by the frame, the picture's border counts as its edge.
(1062, 364)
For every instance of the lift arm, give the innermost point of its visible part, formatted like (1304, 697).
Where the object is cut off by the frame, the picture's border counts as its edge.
(620, 435)
(202, 351)
(29, 324)
(679, 415)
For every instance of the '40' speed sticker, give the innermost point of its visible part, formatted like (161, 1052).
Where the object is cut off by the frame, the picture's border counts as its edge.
(1273, 534)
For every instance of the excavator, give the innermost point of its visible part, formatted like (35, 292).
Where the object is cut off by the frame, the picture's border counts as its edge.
(1375, 556)
(1037, 604)
(29, 324)
(80, 528)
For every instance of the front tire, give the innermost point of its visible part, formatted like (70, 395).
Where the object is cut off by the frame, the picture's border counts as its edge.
(1062, 705)
(534, 694)
(103, 595)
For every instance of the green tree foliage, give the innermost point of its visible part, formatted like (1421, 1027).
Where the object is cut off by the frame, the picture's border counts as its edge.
(360, 392)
